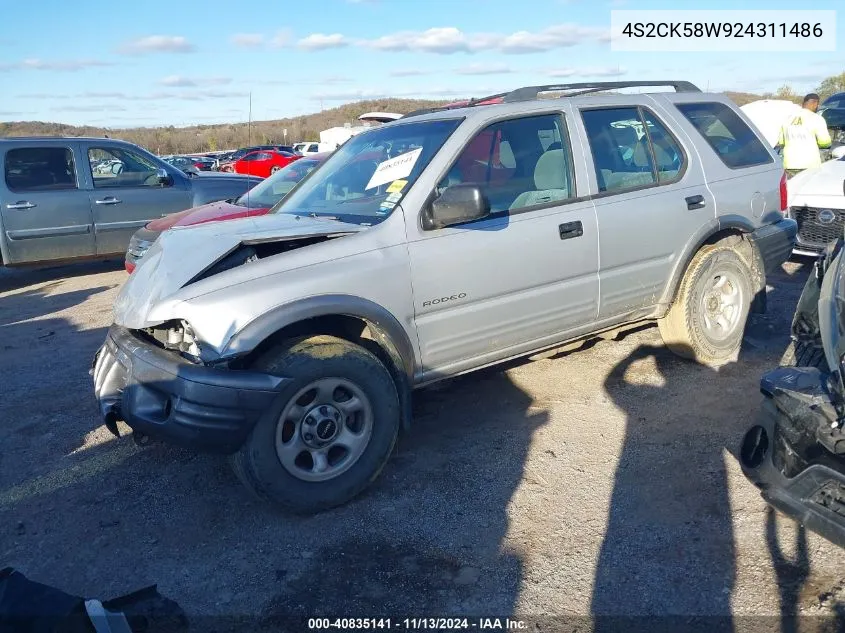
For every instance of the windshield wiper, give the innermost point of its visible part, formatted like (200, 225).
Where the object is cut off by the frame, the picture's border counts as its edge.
(316, 215)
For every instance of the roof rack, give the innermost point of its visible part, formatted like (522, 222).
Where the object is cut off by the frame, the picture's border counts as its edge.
(530, 93)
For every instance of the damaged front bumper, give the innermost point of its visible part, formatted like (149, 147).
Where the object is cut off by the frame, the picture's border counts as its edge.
(795, 455)
(160, 394)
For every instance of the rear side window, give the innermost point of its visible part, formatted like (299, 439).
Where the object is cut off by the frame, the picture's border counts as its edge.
(726, 132)
(631, 149)
(40, 169)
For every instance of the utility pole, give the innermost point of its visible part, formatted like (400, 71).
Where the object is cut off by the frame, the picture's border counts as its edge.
(249, 123)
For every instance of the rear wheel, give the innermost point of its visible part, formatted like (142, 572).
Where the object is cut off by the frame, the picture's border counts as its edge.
(274, 169)
(707, 320)
(331, 430)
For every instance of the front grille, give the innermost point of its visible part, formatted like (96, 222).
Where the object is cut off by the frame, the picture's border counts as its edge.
(811, 231)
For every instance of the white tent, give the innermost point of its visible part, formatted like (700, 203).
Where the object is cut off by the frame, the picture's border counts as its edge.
(769, 115)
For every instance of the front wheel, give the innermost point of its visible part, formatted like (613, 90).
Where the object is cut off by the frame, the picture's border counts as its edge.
(331, 430)
(274, 169)
(706, 322)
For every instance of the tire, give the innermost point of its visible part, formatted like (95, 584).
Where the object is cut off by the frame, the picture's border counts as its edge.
(274, 169)
(804, 354)
(327, 368)
(706, 322)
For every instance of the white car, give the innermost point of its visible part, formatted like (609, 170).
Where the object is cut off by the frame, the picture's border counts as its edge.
(769, 115)
(816, 199)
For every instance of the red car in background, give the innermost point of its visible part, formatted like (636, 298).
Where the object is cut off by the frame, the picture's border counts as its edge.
(264, 162)
(257, 201)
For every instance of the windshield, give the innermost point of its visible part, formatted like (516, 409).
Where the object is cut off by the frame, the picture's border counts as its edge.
(269, 191)
(364, 180)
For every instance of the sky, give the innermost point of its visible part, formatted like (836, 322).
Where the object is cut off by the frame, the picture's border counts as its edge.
(126, 64)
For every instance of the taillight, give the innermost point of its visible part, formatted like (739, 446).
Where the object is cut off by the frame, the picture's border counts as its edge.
(783, 193)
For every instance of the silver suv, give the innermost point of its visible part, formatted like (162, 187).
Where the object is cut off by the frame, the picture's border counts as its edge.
(443, 242)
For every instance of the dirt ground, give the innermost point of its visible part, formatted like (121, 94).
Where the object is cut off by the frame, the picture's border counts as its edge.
(600, 481)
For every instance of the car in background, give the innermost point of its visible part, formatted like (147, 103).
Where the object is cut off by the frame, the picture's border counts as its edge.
(63, 199)
(264, 163)
(231, 159)
(816, 199)
(307, 149)
(255, 202)
(186, 163)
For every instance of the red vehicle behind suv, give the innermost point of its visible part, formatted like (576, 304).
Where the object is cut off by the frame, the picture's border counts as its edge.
(255, 202)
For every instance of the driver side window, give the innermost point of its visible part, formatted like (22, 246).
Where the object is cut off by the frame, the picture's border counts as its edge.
(117, 167)
(520, 163)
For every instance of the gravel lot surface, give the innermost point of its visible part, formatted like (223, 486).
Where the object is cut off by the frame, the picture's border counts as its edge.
(599, 481)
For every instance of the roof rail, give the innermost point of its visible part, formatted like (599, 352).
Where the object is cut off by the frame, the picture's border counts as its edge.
(531, 92)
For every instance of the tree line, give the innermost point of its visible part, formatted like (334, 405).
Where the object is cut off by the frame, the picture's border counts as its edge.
(209, 138)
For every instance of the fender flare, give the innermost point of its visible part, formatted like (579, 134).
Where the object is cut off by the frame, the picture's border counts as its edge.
(259, 329)
(389, 333)
(715, 226)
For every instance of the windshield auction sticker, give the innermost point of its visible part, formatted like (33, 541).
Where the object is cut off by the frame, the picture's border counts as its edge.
(395, 168)
(723, 31)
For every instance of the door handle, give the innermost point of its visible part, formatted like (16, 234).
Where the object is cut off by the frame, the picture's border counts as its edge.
(21, 204)
(695, 202)
(109, 200)
(569, 230)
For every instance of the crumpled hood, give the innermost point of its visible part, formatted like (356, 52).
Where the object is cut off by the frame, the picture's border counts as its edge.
(181, 253)
(827, 180)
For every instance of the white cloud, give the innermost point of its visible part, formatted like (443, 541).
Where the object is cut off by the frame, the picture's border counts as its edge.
(178, 81)
(482, 69)
(352, 95)
(64, 65)
(157, 44)
(436, 40)
(103, 95)
(282, 38)
(175, 81)
(247, 40)
(449, 40)
(320, 41)
(610, 71)
(90, 108)
(409, 72)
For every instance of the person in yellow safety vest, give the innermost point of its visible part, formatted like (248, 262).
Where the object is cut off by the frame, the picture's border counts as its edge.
(802, 135)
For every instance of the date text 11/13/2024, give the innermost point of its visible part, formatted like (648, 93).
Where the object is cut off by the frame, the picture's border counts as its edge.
(417, 624)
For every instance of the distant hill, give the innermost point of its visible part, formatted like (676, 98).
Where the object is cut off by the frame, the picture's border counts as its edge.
(203, 138)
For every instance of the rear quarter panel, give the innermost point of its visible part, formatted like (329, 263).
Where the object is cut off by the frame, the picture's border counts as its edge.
(751, 193)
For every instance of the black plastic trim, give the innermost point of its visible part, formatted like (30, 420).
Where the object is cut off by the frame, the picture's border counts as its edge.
(248, 338)
(775, 242)
(161, 394)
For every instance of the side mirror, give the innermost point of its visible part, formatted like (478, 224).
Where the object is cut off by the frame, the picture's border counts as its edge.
(162, 176)
(456, 205)
(191, 170)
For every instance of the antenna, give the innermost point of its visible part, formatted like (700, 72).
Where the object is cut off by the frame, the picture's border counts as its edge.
(249, 137)
(249, 122)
